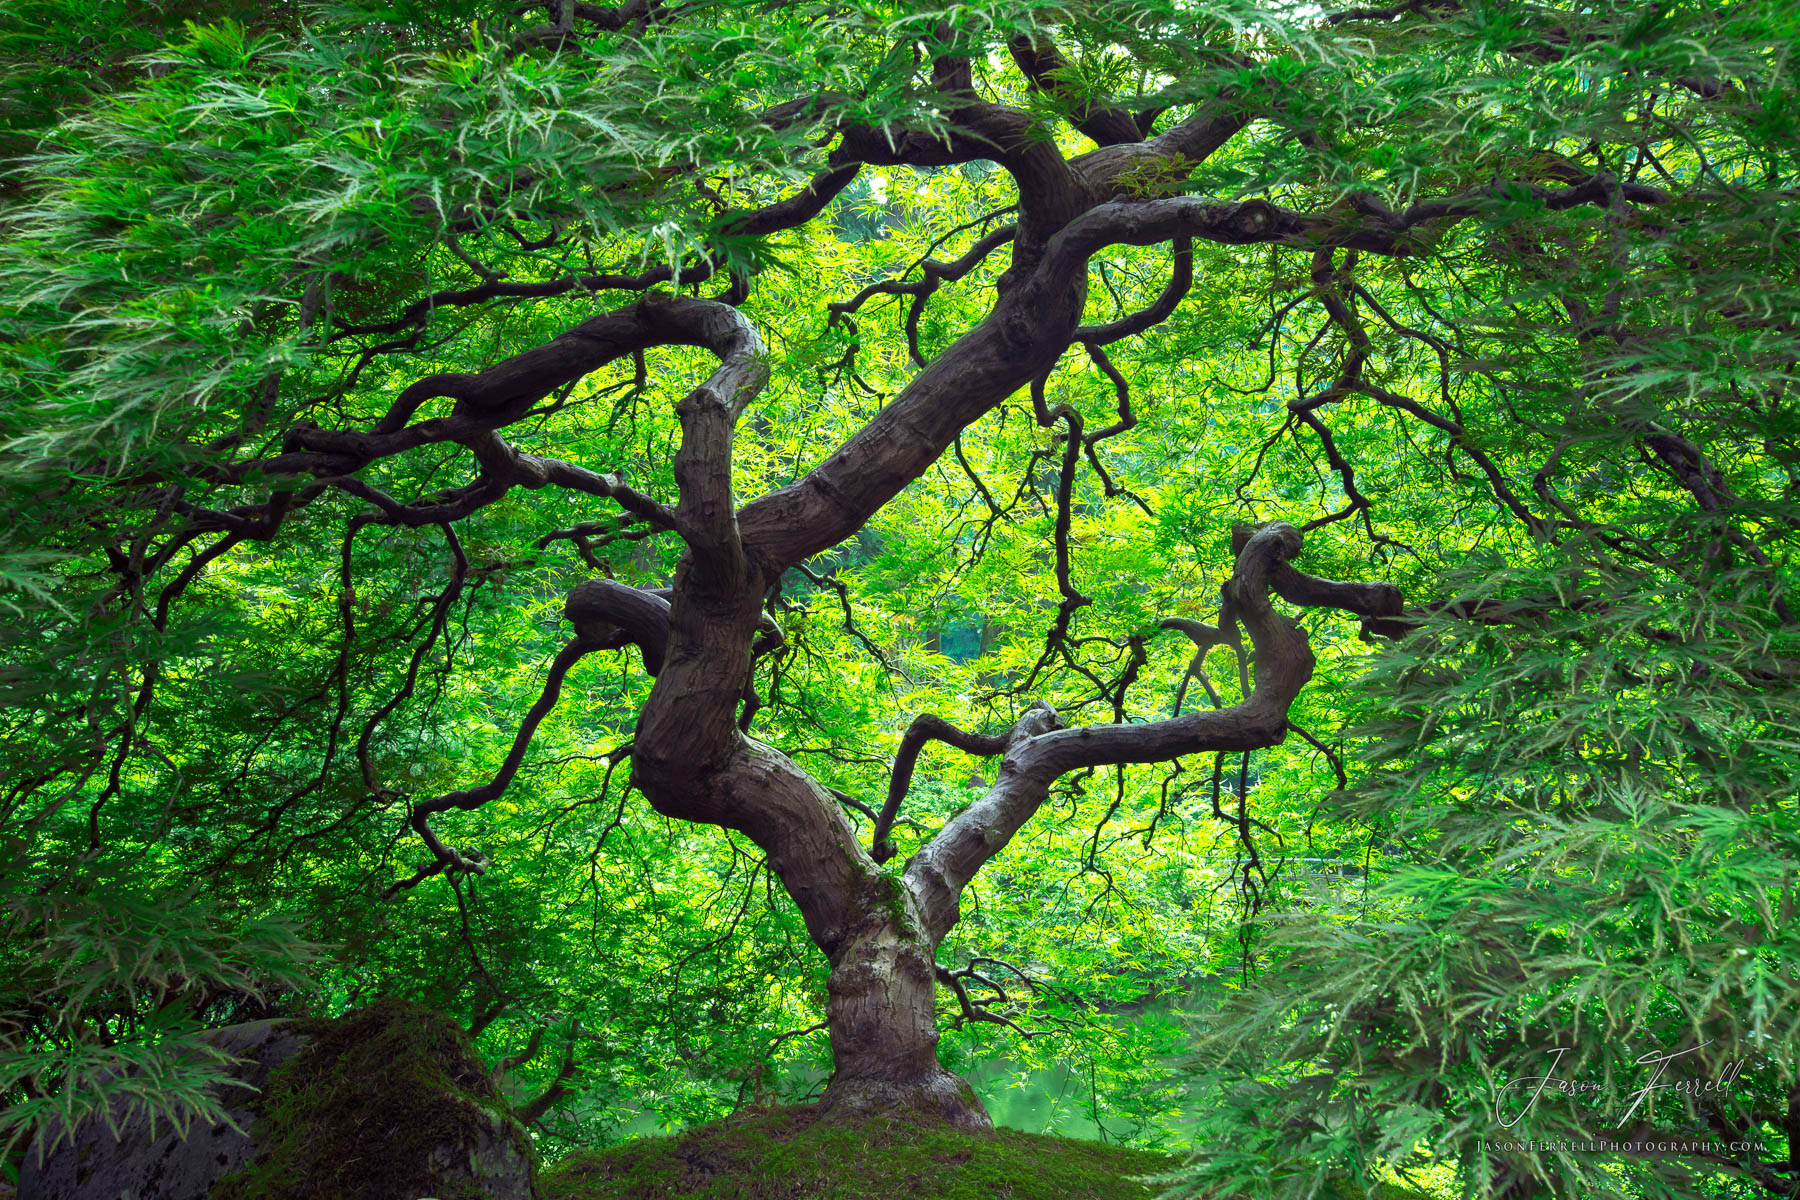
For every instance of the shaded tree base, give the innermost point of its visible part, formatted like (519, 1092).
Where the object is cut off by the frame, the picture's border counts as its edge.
(939, 1098)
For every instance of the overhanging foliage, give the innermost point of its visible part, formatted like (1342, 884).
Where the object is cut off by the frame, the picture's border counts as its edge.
(349, 344)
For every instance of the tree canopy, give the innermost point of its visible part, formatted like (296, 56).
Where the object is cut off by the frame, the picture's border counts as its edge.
(766, 550)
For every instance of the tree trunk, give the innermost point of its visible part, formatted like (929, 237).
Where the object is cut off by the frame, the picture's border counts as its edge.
(693, 763)
(878, 929)
(882, 1018)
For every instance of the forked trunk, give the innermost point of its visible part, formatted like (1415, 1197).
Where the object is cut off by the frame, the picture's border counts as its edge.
(880, 929)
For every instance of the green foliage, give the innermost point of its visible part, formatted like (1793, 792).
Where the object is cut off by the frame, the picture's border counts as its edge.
(1593, 848)
(1568, 822)
(1583, 798)
(104, 994)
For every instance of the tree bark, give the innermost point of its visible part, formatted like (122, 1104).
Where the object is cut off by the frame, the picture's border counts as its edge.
(693, 763)
(882, 1018)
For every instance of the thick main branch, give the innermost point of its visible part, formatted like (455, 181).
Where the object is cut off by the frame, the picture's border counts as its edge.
(1040, 750)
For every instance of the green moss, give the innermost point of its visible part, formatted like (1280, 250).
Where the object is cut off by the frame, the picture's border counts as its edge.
(789, 1154)
(359, 1112)
(1345, 1190)
(894, 900)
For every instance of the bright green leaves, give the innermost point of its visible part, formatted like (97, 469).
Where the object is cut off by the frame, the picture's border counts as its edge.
(1573, 812)
(117, 978)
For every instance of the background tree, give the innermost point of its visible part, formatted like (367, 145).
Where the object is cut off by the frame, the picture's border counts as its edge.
(332, 395)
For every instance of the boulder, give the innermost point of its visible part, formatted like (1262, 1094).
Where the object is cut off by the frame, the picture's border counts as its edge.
(386, 1103)
(138, 1166)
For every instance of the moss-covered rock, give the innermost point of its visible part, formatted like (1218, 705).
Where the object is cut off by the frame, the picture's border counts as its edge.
(387, 1103)
(790, 1154)
(138, 1159)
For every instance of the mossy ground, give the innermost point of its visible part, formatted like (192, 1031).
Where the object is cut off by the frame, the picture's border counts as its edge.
(788, 1154)
(356, 1115)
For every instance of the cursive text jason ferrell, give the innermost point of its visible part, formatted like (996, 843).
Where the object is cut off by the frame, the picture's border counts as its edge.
(1658, 1063)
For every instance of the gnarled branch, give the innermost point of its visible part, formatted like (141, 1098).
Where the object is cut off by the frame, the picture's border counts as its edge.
(926, 727)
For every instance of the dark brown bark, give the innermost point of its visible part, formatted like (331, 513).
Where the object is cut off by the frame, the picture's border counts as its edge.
(1043, 64)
